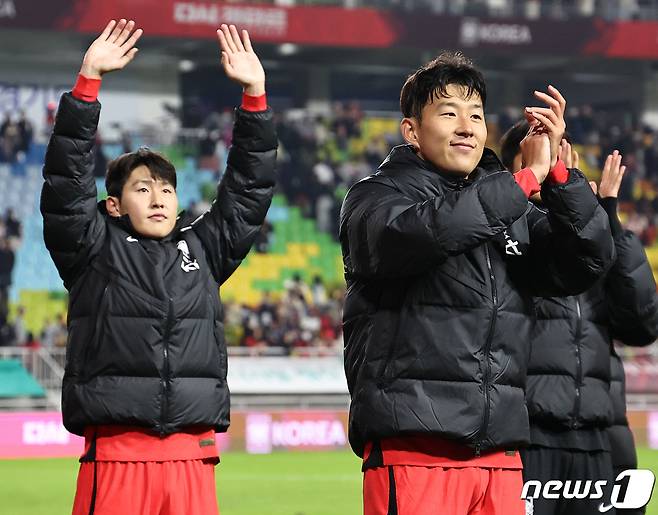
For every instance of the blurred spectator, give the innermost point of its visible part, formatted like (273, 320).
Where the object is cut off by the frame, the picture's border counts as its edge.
(61, 331)
(31, 341)
(51, 111)
(263, 238)
(336, 153)
(26, 133)
(318, 292)
(9, 140)
(15, 138)
(7, 259)
(126, 140)
(54, 332)
(20, 332)
(13, 226)
(100, 160)
(289, 323)
(48, 333)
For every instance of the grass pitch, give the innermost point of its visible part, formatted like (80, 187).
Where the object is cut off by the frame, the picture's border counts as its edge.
(293, 483)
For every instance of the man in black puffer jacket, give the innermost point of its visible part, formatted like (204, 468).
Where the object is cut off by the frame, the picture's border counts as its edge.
(442, 253)
(622, 443)
(569, 378)
(145, 379)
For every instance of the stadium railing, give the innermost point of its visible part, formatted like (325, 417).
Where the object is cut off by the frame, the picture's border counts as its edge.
(47, 369)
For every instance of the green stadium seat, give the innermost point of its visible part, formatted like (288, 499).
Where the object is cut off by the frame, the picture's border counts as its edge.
(15, 381)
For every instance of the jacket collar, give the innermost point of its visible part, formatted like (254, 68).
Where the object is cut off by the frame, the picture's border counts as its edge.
(402, 158)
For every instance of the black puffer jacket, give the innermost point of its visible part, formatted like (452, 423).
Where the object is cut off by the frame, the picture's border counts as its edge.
(438, 310)
(641, 312)
(622, 443)
(569, 371)
(146, 340)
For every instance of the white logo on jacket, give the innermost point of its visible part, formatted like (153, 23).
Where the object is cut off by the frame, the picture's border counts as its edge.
(187, 264)
(511, 245)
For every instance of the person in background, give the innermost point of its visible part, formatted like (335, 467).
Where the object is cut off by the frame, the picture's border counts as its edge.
(571, 403)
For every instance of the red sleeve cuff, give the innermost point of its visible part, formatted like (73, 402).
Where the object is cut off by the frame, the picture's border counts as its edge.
(250, 103)
(559, 174)
(527, 182)
(86, 89)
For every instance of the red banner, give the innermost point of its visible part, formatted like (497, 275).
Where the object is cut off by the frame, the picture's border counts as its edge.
(631, 40)
(336, 26)
(333, 26)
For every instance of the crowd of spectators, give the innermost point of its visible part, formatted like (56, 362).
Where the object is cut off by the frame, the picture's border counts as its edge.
(16, 135)
(303, 316)
(597, 134)
(320, 157)
(304, 319)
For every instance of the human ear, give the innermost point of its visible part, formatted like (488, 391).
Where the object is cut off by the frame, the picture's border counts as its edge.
(408, 128)
(113, 206)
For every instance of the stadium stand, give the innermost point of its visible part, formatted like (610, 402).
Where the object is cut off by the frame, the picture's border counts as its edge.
(16, 381)
(300, 237)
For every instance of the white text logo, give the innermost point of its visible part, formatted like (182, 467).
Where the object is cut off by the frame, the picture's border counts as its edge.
(473, 33)
(511, 246)
(631, 490)
(44, 433)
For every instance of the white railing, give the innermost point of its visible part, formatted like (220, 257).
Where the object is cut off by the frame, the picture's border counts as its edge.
(47, 367)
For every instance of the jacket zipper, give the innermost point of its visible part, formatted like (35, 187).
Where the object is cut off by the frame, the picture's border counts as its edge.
(487, 348)
(579, 363)
(166, 379)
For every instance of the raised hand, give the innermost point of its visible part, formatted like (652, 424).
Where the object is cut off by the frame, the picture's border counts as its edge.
(536, 153)
(112, 50)
(550, 119)
(240, 62)
(568, 155)
(613, 173)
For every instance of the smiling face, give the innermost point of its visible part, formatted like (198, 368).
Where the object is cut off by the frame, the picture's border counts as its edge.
(150, 203)
(451, 132)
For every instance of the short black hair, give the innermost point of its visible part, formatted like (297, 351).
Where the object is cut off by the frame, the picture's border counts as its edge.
(510, 143)
(431, 81)
(119, 169)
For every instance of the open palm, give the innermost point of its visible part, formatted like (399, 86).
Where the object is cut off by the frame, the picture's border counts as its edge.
(112, 50)
(239, 60)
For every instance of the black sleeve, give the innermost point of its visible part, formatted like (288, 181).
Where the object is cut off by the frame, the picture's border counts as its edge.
(630, 289)
(73, 228)
(385, 233)
(244, 194)
(571, 245)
